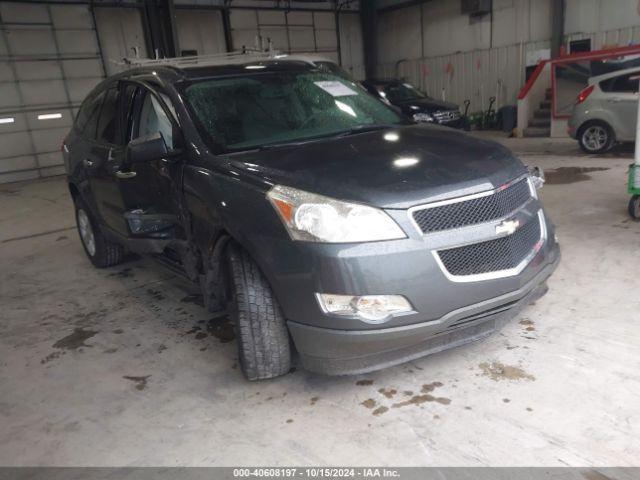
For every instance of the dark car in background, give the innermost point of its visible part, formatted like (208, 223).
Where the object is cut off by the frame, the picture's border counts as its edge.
(319, 218)
(415, 104)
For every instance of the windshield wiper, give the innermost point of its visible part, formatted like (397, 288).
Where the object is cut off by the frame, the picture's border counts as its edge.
(365, 128)
(351, 131)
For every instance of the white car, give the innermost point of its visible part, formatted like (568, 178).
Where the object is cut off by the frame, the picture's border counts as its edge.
(606, 111)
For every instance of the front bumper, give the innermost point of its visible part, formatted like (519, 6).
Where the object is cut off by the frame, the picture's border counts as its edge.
(340, 352)
(447, 311)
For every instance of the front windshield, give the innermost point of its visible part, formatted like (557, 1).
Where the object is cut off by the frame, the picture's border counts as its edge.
(402, 92)
(244, 112)
(333, 68)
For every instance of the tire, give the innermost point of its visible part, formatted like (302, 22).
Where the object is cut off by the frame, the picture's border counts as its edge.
(596, 137)
(634, 207)
(101, 252)
(261, 331)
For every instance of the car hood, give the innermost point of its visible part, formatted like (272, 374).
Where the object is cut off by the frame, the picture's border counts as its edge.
(425, 163)
(425, 105)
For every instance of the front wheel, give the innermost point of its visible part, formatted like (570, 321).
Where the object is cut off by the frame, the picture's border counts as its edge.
(261, 331)
(634, 207)
(596, 137)
(100, 251)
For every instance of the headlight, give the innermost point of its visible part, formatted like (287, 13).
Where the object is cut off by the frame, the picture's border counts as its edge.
(368, 308)
(315, 218)
(422, 117)
(536, 179)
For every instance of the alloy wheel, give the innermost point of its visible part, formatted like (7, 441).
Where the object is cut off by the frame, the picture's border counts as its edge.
(86, 232)
(595, 138)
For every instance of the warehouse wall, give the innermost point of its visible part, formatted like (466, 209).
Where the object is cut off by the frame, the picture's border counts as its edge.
(457, 57)
(53, 53)
(49, 61)
(606, 22)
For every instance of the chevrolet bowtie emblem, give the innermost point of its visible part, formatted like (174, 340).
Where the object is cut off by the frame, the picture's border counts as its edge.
(507, 227)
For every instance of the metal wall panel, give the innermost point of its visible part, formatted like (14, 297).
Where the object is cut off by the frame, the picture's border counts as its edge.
(120, 31)
(455, 57)
(476, 75)
(351, 46)
(200, 31)
(49, 60)
(290, 32)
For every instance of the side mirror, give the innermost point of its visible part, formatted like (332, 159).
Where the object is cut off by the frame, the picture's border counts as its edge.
(147, 148)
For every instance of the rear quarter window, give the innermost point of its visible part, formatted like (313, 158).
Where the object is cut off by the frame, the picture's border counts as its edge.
(624, 83)
(87, 108)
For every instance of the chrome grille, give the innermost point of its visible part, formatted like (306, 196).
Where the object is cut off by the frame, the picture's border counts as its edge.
(446, 115)
(497, 204)
(500, 254)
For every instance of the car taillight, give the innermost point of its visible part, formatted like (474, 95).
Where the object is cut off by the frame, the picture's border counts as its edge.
(582, 96)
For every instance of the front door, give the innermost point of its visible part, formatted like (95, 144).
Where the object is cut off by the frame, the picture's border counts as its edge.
(142, 199)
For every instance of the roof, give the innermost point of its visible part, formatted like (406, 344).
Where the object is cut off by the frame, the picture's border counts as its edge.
(615, 73)
(176, 73)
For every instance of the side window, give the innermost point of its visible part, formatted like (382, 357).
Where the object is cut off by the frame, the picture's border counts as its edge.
(154, 119)
(622, 84)
(90, 127)
(107, 121)
(88, 109)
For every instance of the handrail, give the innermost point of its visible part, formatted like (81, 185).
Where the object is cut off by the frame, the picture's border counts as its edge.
(572, 57)
(532, 79)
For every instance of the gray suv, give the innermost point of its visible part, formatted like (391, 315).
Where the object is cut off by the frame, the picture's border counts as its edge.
(321, 220)
(606, 111)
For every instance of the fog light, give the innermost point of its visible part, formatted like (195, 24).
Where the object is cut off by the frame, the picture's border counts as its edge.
(368, 308)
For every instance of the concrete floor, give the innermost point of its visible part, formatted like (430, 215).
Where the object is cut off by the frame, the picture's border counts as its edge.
(120, 366)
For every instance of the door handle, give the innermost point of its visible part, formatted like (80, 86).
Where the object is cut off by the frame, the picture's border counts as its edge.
(87, 163)
(121, 174)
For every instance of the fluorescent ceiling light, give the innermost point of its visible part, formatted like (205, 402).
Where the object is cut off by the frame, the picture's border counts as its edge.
(7, 120)
(49, 116)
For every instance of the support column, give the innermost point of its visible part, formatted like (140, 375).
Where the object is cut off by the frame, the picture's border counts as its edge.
(161, 27)
(557, 26)
(369, 21)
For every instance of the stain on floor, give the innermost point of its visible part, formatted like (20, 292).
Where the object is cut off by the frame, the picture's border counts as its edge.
(124, 273)
(389, 393)
(194, 299)
(564, 175)
(156, 294)
(498, 371)
(528, 325)
(364, 383)
(52, 356)
(430, 387)
(141, 382)
(75, 340)
(420, 399)
(379, 411)
(222, 329)
(369, 403)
